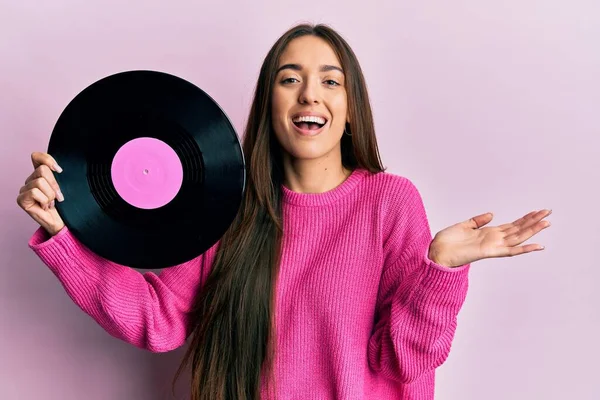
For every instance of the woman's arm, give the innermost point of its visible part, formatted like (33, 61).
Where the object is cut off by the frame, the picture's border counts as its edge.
(147, 310)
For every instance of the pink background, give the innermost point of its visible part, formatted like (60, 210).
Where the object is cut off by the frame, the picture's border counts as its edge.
(486, 106)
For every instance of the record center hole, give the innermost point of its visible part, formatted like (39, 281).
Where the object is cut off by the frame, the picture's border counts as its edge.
(146, 171)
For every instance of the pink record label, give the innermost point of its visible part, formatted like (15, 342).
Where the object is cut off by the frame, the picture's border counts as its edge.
(147, 173)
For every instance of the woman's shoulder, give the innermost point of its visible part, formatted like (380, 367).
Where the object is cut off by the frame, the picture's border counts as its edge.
(390, 186)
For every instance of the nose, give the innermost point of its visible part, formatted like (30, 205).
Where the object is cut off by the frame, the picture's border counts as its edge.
(309, 93)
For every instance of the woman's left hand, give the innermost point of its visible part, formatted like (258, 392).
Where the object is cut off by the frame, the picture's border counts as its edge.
(469, 241)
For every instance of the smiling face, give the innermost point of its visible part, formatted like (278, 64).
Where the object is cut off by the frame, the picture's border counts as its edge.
(309, 101)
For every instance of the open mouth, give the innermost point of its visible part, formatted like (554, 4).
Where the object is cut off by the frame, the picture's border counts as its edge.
(310, 123)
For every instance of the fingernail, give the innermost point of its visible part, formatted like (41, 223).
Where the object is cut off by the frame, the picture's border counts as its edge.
(59, 195)
(57, 168)
(52, 203)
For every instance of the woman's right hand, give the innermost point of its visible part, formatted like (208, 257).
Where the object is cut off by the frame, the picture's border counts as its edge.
(40, 191)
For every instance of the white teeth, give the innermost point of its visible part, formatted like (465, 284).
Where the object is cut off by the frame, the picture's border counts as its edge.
(311, 118)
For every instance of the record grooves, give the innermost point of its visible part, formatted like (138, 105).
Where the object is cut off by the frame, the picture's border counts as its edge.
(153, 171)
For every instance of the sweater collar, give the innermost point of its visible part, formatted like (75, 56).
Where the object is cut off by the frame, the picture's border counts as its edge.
(319, 199)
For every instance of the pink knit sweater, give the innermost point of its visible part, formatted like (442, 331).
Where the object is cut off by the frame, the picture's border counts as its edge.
(362, 313)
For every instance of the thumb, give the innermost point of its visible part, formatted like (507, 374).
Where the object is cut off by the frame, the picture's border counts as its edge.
(479, 220)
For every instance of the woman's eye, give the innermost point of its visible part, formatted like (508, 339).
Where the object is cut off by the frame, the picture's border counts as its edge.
(331, 82)
(290, 80)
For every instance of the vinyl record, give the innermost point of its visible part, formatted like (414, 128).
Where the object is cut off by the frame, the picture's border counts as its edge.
(153, 170)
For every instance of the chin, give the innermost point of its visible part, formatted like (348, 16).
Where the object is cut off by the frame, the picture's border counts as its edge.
(306, 154)
(309, 151)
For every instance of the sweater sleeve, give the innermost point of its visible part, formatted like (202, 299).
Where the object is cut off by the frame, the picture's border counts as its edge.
(147, 310)
(418, 302)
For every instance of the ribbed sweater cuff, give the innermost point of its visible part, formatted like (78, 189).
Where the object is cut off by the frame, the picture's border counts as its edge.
(55, 250)
(64, 255)
(444, 278)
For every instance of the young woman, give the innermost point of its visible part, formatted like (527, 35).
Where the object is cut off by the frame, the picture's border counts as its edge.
(328, 285)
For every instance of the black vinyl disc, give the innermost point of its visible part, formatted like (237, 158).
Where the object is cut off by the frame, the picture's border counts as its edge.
(153, 170)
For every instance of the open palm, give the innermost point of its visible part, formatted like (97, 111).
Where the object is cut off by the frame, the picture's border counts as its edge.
(469, 241)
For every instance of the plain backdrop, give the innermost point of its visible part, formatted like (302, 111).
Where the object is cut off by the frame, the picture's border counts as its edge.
(485, 105)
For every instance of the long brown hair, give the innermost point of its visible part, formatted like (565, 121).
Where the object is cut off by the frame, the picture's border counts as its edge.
(232, 318)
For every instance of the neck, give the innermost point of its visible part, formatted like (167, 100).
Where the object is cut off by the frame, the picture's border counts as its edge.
(314, 176)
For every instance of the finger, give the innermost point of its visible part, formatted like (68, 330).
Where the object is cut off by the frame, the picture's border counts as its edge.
(32, 200)
(526, 220)
(42, 185)
(37, 206)
(518, 250)
(38, 158)
(479, 220)
(526, 233)
(43, 200)
(43, 171)
(533, 218)
(518, 222)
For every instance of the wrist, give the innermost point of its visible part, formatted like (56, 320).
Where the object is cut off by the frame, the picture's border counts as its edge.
(54, 230)
(437, 256)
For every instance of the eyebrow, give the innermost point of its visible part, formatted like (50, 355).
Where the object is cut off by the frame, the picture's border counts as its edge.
(298, 67)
